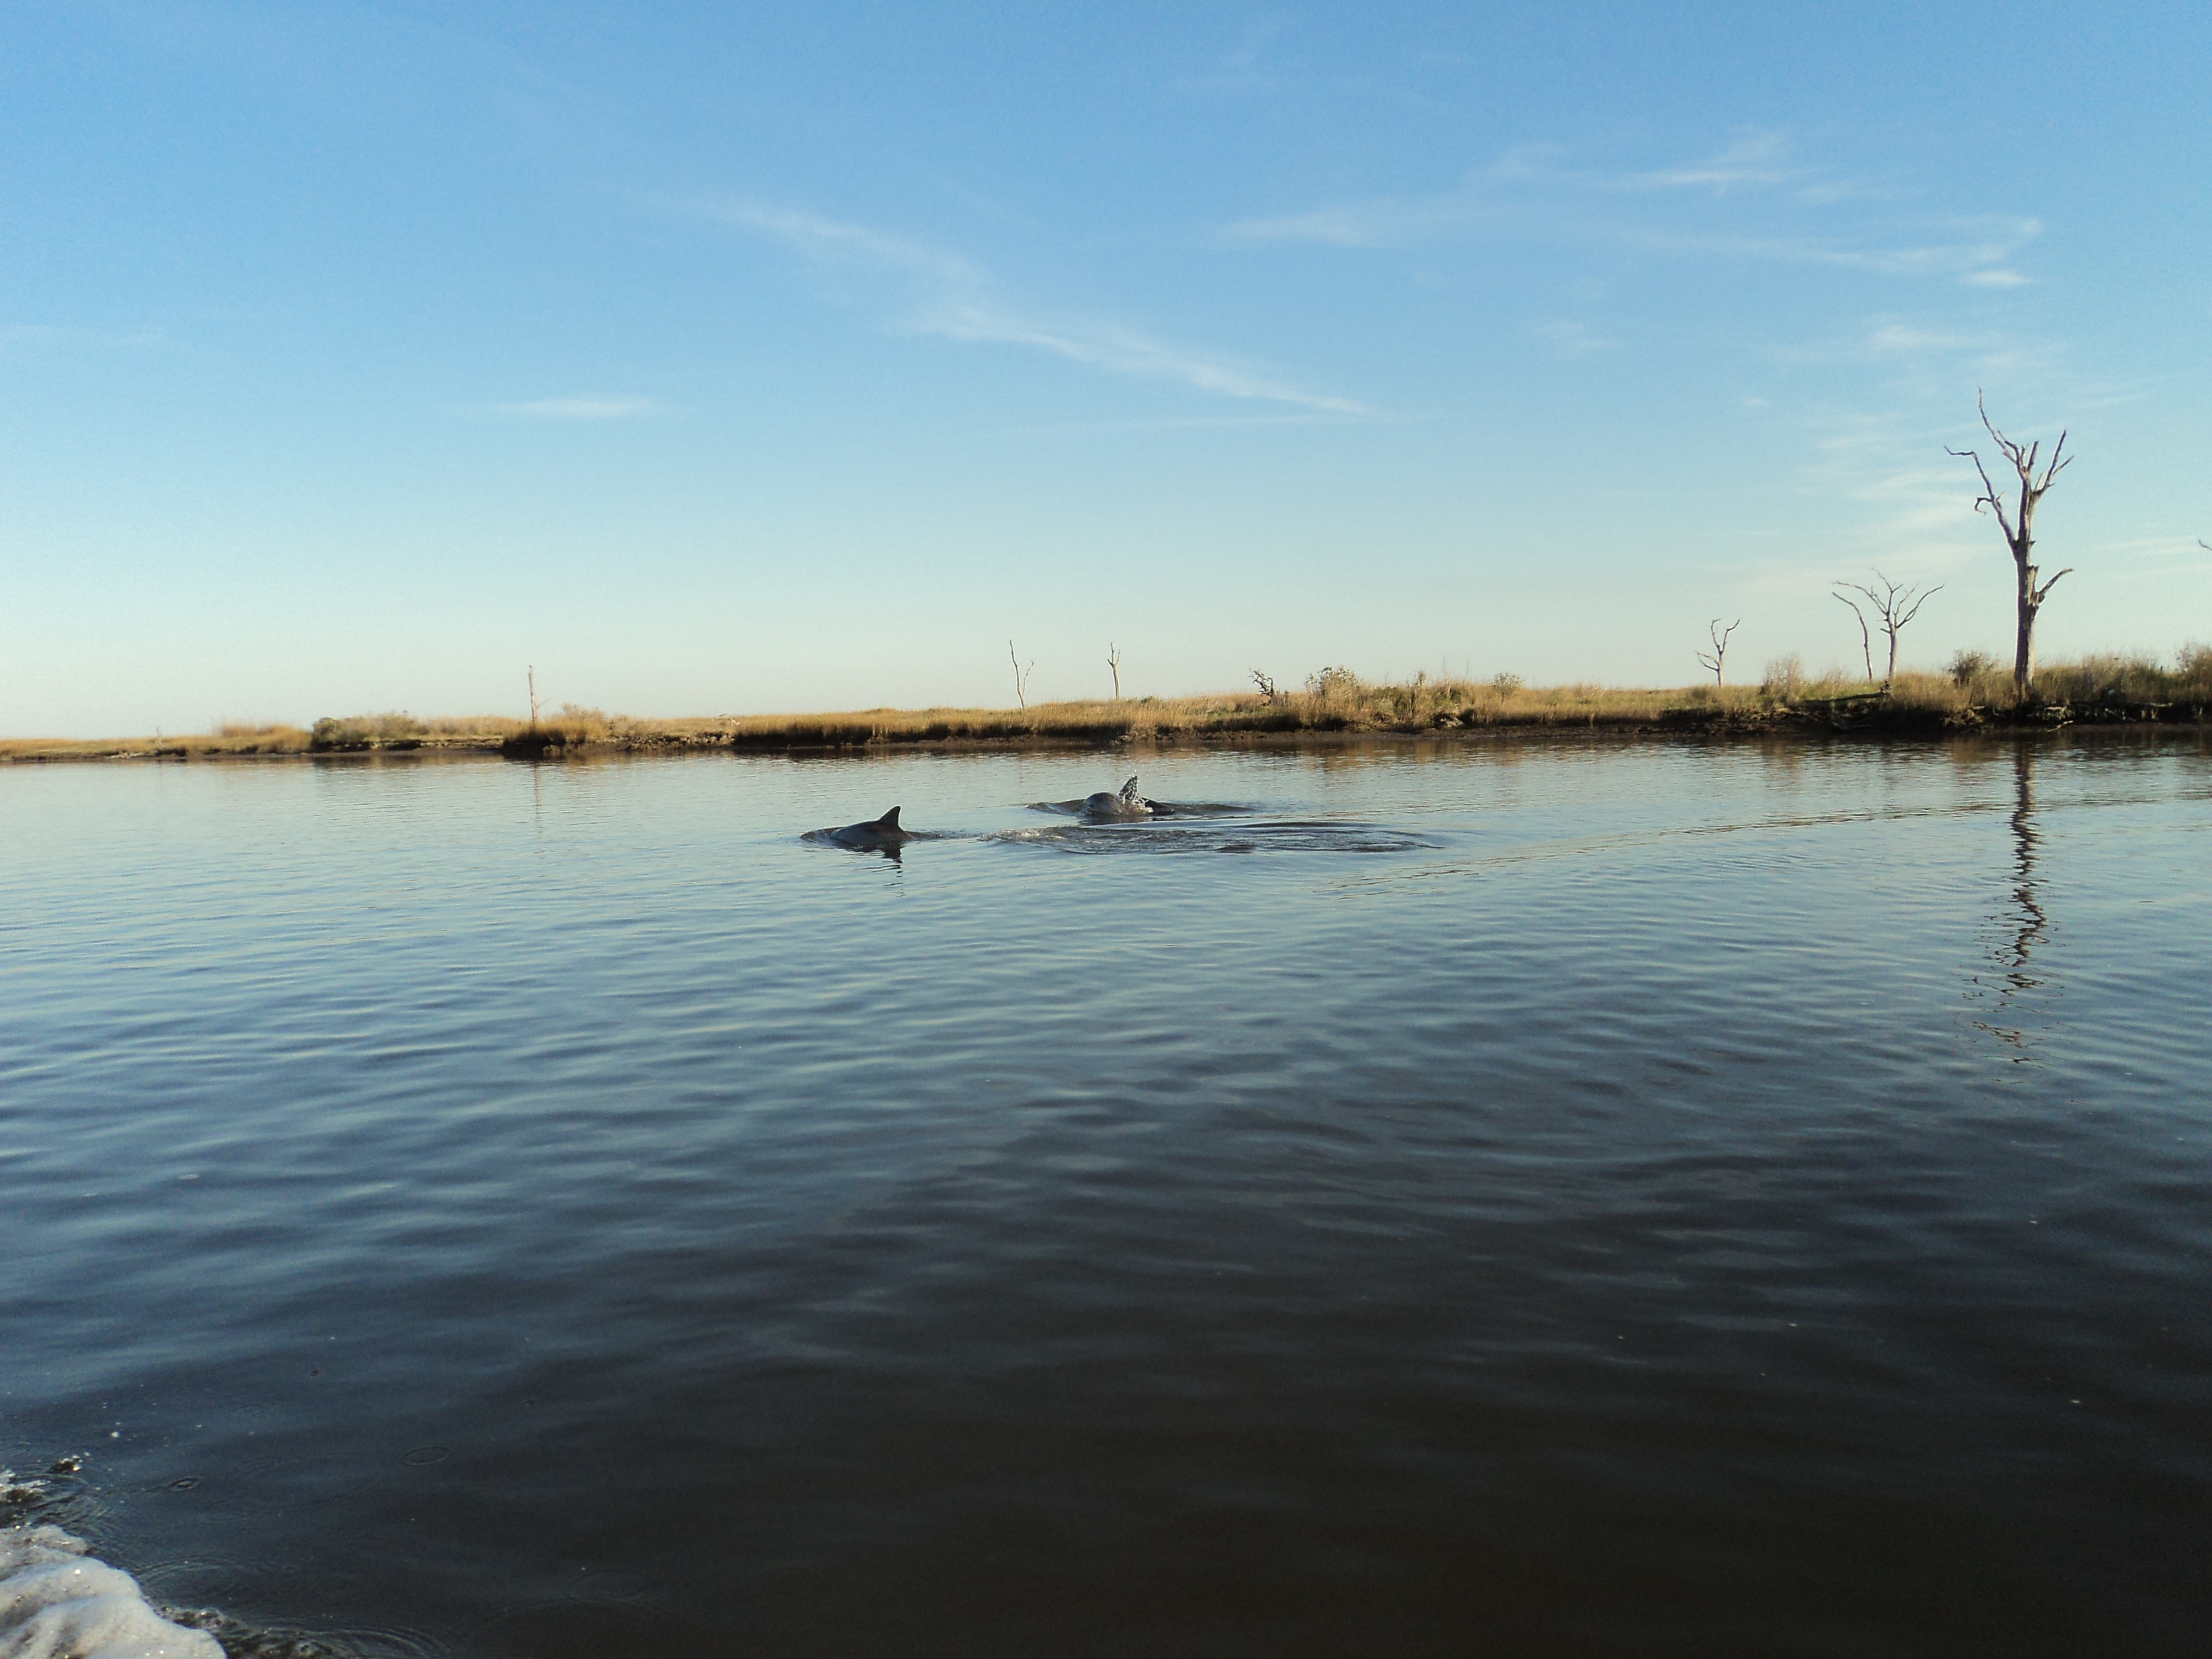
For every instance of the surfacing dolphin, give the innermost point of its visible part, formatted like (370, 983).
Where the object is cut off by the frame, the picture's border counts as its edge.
(881, 835)
(1126, 805)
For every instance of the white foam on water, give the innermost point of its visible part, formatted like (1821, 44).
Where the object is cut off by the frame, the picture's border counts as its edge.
(58, 1603)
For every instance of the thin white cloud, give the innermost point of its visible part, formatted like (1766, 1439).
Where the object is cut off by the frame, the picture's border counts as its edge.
(936, 291)
(1534, 193)
(1758, 158)
(572, 408)
(1918, 352)
(14, 336)
(1386, 222)
(1571, 339)
(832, 241)
(1982, 241)
(1903, 337)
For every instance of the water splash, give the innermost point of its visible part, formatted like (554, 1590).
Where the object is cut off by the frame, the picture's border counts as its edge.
(58, 1601)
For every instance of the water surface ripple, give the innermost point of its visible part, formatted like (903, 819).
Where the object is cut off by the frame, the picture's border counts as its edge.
(1577, 1199)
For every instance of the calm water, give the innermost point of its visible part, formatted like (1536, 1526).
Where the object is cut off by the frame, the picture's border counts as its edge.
(1474, 1200)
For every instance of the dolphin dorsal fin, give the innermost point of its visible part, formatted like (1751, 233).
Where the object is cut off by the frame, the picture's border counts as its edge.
(889, 820)
(1130, 788)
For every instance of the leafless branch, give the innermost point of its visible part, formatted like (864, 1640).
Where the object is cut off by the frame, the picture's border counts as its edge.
(1989, 495)
(1718, 656)
(1913, 610)
(1114, 662)
(1267, 685)
(1866, 634)
(2057, 465)
(2042, 591)
(1021, 676)
(1896, 604)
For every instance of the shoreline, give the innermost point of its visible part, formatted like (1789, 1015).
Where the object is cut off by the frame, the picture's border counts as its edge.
(891, 731)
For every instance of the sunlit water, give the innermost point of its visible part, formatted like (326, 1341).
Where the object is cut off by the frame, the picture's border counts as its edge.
(1516, 1199)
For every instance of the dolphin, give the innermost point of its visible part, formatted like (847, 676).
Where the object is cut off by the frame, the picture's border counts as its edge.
(1127, 805)
(881, 835)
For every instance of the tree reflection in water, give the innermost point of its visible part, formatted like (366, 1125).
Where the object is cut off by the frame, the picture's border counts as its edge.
(2023, 923)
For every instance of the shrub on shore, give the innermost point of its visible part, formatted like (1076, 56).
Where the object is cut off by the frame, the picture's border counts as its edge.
(1784, 678)
(391, 731)
(251, 738)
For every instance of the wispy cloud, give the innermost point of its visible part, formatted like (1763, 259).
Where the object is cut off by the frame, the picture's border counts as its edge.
(936, 291)
(1904, 336)
(1923, 354)
(571, 408)
(1753, 160)
(1753, 187)
(32, 336)
(1571, 339)
(1970, 244)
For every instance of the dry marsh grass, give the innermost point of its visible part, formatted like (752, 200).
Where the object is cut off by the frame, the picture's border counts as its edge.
(237, 738)
(1335, 700)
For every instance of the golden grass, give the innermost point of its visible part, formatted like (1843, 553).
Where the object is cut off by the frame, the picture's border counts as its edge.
(232, 738)
(1421, 706)
(1332, 700)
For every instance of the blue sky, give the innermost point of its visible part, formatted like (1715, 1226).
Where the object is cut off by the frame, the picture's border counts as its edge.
(355, 356)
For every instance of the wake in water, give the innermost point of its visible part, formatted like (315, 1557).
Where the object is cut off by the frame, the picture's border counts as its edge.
(58, 1600)
(1158, 809)
(1263, 836)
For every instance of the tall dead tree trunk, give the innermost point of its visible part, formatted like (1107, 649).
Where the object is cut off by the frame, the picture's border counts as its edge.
(2019, 528)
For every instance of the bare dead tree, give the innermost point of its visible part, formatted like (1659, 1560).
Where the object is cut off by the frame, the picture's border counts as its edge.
(1896, 604)
(1718, 655)
(1021, 676)
(1866, 634)
(1266, 683)
(2019, 528)
(1114, 662)
(532, 676)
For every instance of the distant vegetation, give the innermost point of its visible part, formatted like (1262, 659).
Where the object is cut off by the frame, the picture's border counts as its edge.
(1974, 691)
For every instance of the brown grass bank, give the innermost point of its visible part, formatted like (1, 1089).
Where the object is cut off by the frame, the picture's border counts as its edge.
(2101, 689)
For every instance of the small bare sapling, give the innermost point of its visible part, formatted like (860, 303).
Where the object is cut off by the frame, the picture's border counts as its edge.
(1717, 657)
(1896, 604)
(1866, 633)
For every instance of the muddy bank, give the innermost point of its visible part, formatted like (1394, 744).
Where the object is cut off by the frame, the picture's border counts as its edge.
(1867, 717)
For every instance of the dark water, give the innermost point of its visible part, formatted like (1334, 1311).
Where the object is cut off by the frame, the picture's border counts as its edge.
(1471, 1200)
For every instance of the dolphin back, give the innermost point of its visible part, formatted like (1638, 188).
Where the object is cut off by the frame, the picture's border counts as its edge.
(1121, 806)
